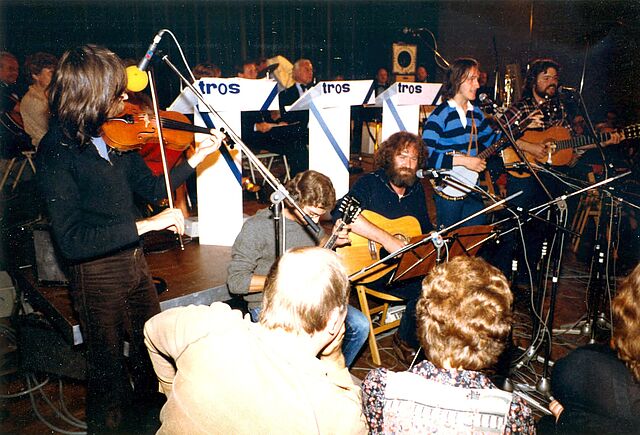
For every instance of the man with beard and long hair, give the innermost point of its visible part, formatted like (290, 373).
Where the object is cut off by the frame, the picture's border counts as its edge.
(455, 133)
(542, 102)
(392, 191)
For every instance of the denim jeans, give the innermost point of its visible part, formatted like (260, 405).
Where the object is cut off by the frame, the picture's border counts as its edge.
(114, 297)
(450, 212)
(356, 332)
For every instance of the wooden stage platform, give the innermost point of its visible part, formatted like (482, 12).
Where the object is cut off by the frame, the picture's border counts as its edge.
(196, 275)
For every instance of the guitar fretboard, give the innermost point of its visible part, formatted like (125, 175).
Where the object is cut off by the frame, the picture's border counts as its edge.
(630, 132)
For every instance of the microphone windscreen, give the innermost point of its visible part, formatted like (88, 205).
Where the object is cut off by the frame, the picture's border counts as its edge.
(136, 80)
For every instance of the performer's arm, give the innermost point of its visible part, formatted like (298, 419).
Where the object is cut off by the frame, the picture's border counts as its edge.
(365, 228)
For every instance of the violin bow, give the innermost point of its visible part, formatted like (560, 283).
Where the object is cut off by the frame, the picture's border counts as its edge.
(158, 121)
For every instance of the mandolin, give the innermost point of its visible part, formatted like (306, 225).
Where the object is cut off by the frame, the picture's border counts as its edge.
(350, 209)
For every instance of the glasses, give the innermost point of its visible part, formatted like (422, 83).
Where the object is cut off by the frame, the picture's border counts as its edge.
(314, 213)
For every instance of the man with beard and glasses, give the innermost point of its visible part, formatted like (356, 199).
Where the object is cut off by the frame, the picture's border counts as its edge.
(455, 133)
(392, 191)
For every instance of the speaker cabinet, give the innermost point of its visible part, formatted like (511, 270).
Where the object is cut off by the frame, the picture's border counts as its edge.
(404, 58)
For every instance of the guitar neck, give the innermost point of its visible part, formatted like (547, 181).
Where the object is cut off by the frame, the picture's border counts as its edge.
(581, 141)
(491, 150)
(331, 243)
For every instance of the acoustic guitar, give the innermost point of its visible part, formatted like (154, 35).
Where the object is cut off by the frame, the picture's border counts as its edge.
(363, 252)
(561, 147)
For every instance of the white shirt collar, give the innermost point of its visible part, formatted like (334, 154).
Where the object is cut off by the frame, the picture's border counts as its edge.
(461, 112)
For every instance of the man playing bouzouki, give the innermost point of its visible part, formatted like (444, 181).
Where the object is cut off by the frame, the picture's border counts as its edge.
(456, 134)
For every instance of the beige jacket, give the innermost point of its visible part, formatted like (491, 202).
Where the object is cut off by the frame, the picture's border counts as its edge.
(223, 374)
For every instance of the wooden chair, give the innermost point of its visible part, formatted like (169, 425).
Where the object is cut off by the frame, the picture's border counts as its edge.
(27, 158)
(590, 206)
(362, 253)
(267, 158)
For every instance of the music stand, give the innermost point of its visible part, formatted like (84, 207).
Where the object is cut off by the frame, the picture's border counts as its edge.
(420, 260)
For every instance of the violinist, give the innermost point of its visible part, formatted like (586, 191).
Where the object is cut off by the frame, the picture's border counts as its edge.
(88, 188)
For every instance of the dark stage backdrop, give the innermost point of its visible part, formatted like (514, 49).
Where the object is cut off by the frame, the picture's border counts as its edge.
(352, 38)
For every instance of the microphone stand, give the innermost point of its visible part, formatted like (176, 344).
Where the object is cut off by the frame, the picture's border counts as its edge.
(543, 385)
(599, 278)
(280, 192)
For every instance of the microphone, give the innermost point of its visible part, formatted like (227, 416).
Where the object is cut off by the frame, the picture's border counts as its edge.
(429, 173)
(408, 30)
(567, 89)
(484, 99)
(144, 62)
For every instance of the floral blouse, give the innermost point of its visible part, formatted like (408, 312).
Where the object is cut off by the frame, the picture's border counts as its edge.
(519, 419)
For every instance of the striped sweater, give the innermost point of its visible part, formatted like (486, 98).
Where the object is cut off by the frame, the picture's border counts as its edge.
(444, 133)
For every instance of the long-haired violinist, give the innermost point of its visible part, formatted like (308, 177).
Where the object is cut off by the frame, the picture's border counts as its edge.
(88, 188)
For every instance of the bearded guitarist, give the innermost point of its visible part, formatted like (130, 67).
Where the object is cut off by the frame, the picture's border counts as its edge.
(541, 102)
(394, 192)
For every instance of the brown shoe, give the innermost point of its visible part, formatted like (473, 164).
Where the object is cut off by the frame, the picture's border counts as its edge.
(402, 350)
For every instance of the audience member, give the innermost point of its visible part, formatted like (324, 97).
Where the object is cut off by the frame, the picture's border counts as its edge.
(247, 70)
(13, 138)
(254, 250)
(206, 69)
(599, 385)
(381, 81)
(224, 374)
(258, 127)
(464, 318)
(34, 106)
(422, 75)
(297, 132)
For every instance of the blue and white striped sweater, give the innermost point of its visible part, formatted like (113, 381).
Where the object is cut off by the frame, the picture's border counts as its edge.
(444, 133)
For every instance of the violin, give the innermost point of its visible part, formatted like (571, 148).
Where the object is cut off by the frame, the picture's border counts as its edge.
(135, 127)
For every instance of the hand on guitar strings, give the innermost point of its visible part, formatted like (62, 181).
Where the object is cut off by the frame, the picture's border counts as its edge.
(343, 235)
(538, 150)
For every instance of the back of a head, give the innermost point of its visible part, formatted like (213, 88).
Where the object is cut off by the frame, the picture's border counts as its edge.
(464, 314)
(36, 62)
(312, 188)
(626, 322)
(86, 85)
(302, 289)
(206, 69)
